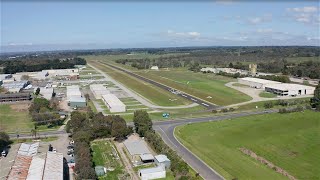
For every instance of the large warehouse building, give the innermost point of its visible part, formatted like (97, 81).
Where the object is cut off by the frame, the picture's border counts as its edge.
(256, 82)
(113, 103)
(74, 97)
(285, 89)
(98, 90)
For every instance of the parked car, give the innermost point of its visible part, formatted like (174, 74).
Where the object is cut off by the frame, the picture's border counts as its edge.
(54, 150)
(70, 147)
(4, 153)
(71, 142)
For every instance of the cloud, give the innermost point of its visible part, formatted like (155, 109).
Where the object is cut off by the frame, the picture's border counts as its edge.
(306, 15)
(189, 35)
(260, 19)
(20, 44)
(252, 20)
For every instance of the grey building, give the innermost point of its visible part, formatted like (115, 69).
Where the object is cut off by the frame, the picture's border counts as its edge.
(162, 160)
(76, 102)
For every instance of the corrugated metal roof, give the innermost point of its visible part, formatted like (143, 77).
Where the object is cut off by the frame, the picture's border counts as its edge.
(258, 80)
(28, 149)
(36, 168)
(161, 158)
(20, 168)
(54, 166)
(287, 86)
(146, 157)
(112, 100)
(152, 170)
(136, 147)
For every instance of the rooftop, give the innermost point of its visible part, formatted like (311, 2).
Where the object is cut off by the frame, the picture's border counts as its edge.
(161, 158)
(54, 166)
(288, 86)
(136, 147)
(146, 157)
(28, 149)
(258, 80)
(112, 100)
(19, 170)
(152, 170)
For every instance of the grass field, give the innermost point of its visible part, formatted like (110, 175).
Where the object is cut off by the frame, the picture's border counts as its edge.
(102, 155)
(152, 93)
(290, 141)
(267, 95)
(200, 85)
(13, 121)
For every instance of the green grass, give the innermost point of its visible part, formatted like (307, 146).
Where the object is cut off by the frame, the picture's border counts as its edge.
(199, 84)
(152, 93)
(47, 139)
(267, 95)
(91, 77)
(290, 141)
(101, 156)
(13, 121)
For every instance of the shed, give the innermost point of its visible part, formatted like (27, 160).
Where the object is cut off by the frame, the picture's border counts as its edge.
(77, 102)
(113, 103)
(256, 82)
(136, 148)
(286, 89)
(162, 160)
(152, 173)
(147, 158)
(99, 170)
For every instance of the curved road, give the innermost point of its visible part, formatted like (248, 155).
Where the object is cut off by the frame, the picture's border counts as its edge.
(166, 131)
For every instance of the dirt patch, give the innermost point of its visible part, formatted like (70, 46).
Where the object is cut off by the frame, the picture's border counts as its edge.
(20, 107)
(266, 162)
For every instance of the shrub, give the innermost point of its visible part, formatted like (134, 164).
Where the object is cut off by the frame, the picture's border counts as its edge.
(268, 105)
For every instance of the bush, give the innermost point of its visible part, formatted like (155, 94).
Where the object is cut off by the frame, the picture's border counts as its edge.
(268, 105)
(214, 111)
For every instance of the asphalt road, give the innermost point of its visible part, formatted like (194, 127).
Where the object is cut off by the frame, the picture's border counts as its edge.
(166, 130)
(167, 88)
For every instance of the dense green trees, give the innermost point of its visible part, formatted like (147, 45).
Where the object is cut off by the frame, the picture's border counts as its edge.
(84, 128)
(13, 66)
(43, 112)
(143, 126)
(284, 79)
(315, 101)
(4, 140)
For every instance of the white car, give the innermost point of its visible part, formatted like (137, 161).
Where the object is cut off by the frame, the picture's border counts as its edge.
(54, 150)
(3, 153)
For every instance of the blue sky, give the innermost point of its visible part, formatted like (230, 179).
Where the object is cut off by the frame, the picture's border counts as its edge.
(37, 25)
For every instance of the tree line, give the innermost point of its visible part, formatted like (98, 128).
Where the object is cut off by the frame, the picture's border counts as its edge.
(86, 127)
(143, 126)
(14, 66)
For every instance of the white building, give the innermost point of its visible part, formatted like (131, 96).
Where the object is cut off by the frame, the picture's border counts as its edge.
(14, 86)
(154, 68)
(286, 89)
(46, 92)
(53, 169)
(162, 160)
(152, 173)
(98, 90)
(73, 91)
(113, 103)
(136, 148)
(256, 82)
(209, 69)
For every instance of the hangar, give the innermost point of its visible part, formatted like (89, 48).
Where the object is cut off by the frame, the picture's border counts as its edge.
(286, 89)
(256, 82)
(98, 90)
(113, 103)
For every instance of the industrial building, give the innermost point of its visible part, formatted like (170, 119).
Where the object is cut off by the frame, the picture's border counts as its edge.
(152, 173)
(46, 92)
(15, 86)
(74, 97)
(256, 82)
(136, 148)
(286, 89)
(113, 103)
(162, 160)
(98, 90)
(34, 162)
(15, 97)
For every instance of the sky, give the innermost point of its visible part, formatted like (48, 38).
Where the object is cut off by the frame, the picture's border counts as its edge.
(36, 25)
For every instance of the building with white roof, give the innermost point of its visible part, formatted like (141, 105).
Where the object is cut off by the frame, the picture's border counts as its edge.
(256, 82)
(46, 92)
(74, 97)
(286, 89)
(152, 173)
(154, 68)
(146, 158)
(14, 86)
(162, 160)
(98, 90)
(113, 103)
(36, 168)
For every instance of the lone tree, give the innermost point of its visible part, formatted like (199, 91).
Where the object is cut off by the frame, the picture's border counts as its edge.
(37, 91)
(142, 122)
(315, 101)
